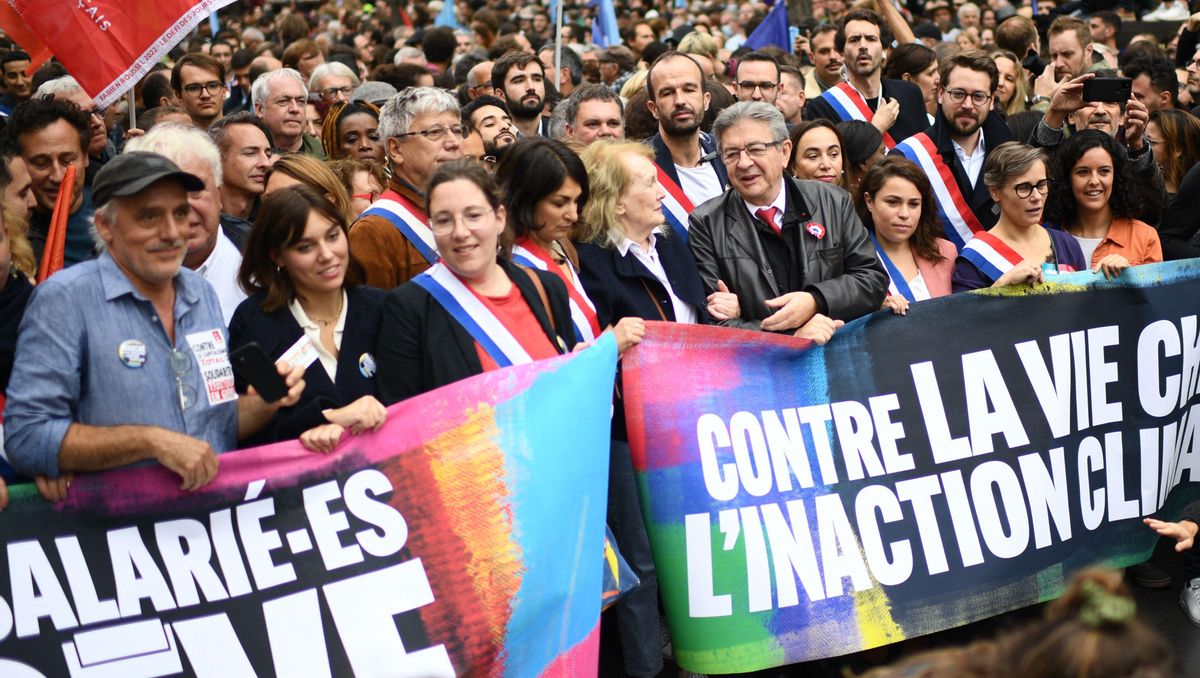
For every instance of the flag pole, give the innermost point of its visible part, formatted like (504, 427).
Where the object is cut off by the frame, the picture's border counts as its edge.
(132, 111)
(558, 26)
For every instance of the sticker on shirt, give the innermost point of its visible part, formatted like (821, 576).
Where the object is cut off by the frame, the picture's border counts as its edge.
(302, 353)
(132, 353)
(366, 365)
(212, 355)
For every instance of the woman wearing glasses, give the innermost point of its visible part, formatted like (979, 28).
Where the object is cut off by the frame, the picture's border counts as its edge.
(475, 310)
(363, 180)
(1093, 197)
(1018, 249)
(306, 307)
(351, 130)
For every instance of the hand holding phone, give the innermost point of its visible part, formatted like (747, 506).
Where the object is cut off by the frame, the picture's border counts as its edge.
(252, 364)
(1108, 90)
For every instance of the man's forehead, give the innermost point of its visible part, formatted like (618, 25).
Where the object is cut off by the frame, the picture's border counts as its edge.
(246, 135)
(859, 29)
(599, 107)
(483, 113)
(531, 68)
(190, 73)
(16, 66)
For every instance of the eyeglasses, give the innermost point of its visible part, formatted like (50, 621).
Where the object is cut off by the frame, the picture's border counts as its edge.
(1025, 189)
(331, 92)
(487, 161)
(473, 219)
(435, 134)
(756, 151)
(213, 87)
(960, 95)
(96, 111)
(180, 365)
(766, 87)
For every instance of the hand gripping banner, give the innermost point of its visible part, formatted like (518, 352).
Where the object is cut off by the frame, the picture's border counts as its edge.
(917, 472)
(466, 537)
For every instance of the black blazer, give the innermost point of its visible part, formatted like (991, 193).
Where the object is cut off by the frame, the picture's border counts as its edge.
(662, 158)
(621, 286)
(912, 118)
(277, 332)
(422, 347)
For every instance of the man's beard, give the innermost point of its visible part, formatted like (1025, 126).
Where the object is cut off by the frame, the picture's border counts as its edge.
(673, 129)
(523, 111)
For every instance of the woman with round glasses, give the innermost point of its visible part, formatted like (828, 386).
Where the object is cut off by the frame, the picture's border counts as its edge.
(306, 307)
(817, 153)
(351, 130)
(1018, 249)
(1093, 198)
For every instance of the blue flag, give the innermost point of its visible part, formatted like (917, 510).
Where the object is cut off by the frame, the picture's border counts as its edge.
(447, 17)
(604, 27)
(773, 31)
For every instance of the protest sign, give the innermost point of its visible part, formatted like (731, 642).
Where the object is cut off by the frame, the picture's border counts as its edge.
(918, 472)
(466, 537)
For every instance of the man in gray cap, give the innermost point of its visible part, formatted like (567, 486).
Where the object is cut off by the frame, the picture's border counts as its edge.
(122, 360)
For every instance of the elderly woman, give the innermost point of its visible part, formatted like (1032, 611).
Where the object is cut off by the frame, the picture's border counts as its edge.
(351, 130)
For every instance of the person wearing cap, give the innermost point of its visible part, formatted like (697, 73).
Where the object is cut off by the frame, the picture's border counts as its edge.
(122, 360)
(616, 66)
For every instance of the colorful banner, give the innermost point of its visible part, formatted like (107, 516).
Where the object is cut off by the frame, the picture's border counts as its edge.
(466, 537)
(916, 473)
(109, 45)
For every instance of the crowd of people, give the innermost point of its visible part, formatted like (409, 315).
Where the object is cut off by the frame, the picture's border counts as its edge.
(383, 206)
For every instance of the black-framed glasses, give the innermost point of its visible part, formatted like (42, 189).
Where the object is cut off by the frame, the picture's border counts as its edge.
(181, 364)
(1025, 188)
(213, 87)
(435, 134)
(331, 92)
(960, 95)
(750, 86)
(96, 111)
(756, 151)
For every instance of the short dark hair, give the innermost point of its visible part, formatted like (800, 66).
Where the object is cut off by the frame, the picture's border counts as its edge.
(510, 61)
(241, 58)
(1110, 18)
(1160, 72)
(11, 56)
(37, 114)
(671, 54)
(51, 70)
(156, 87)
(911, 58)
(839, 41)
(439, 44)
(280, 223)
(589, 92)
(219, 131)
(400, 76)
(197, 60)
(757, 56)
(478, 103)
(149, 118)
(1016, 34)
(531, 169)
(973, 60)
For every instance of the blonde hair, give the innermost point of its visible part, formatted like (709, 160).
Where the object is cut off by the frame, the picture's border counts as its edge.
(607, 180)
(635, 83)
(18, 244)
(315, 173)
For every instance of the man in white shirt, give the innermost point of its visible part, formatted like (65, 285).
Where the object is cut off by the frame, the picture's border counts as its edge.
(685, 155)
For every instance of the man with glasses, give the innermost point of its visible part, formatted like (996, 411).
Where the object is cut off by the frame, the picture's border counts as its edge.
(479, 80)
(199, 84)
(279, 98)
(895, 107)
(422, 129)
(123, 360)
(334, 82)
(964, 131)
(794, 252)
(756, 78)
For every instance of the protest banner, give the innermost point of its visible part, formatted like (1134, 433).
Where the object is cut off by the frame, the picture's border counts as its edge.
(109, 45)
(466, 537)
(916, 473)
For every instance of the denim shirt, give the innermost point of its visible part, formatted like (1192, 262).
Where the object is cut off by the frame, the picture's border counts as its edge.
(92, 351)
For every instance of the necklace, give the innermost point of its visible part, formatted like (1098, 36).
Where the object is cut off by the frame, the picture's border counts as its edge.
(326, 322)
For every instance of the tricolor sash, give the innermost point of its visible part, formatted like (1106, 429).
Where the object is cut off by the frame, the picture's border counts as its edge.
(408, 219)
(990, 255)
(676, 206)
(897, 285)
(583, 311)
(958, 221)
(850, 105)
(474, 316)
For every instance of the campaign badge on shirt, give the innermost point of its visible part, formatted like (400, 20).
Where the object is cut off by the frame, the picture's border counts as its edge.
(817, 230)
(302, 353)
(212, 355)
(366, 365)
(132, 352)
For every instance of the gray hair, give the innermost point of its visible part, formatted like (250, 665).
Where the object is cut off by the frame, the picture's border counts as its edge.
(569, 60)
(590, 92)
(330, 68)
(58, 87)
(398, 113)
(260, 91)
(408, 53)
(253, 34)
(967, 6)
(106, 213)
(179, 143)
(1009, 161)
(750, 110)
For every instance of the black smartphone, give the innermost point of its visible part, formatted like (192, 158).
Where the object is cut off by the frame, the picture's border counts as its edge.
(253, 365)
(1113, 90)
(1033, 63)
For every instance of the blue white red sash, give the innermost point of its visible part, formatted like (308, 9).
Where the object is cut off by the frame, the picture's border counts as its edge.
(474, 316)
(850, 105)
(408, 219)
(958, 221)
(897, 285)
(676, 206)
(990, 255)
(583, 311)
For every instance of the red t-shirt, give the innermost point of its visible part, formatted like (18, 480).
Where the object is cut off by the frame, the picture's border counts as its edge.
(515, 314)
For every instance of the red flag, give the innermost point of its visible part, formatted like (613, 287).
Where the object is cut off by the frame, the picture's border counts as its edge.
(54, 253)
(23, 35)
(108, 45)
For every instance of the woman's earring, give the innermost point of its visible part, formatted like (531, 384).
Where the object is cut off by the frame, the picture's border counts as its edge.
(995, 208)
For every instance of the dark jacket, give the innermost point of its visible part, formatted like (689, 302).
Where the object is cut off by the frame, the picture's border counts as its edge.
(422, 346)
(912, 118)
(622, 287)
(13, 300)
(236, 229)
(840, 268)
(1178, 228)
(276, 332)
(995, 132)
(662, 158)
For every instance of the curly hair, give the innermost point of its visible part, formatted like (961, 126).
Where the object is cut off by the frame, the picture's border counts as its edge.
(1061, 205)
(929, 227)
(331, 129)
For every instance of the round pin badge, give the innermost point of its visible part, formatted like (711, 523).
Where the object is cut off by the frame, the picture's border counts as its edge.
(366, 365)
(132, 353)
